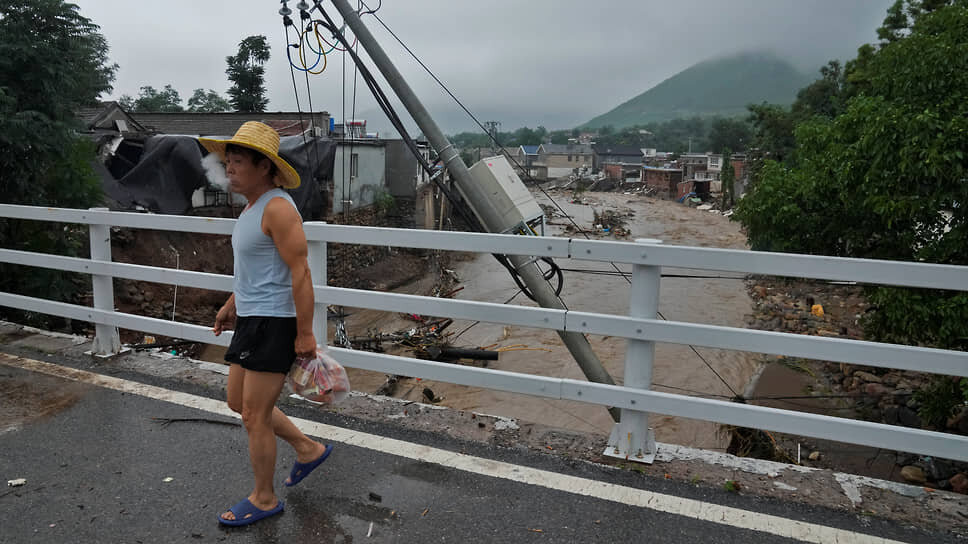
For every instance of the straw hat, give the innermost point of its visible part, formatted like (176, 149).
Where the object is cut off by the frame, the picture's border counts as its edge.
(262, 138)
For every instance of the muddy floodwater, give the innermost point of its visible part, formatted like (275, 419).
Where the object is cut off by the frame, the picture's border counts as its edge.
(716, 301)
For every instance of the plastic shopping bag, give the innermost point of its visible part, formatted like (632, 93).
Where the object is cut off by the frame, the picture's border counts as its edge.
(320, 379)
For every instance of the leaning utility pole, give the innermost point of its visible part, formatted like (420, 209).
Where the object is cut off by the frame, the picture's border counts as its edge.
(543, 293)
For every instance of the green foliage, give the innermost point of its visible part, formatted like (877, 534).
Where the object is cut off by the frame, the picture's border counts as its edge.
(246, 71)
(784, 212)
(732, 133)
(468, 157)
(385, 202)
(208, 102)
(773, 128)
(878, 168)
(824, 97)
(151, 100)
(727, 178)
(941, 400)
(521, 136)
(719, 87)
(918, 316)
(53, 61)
(731, 485)
(895, 23)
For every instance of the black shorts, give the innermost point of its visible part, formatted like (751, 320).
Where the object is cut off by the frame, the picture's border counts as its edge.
(263, 344)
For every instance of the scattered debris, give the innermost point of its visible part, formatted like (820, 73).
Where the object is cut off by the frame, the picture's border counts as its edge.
(610, 219)
(168, 479)
(913, 474)
(428, 394)
(369, 532)
(17, 483)
(389, 387)
(375, 497)
(166, 421)
(424, 513)
(503, 424)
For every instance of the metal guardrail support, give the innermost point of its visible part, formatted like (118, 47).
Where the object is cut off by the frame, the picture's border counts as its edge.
(107, 342)
(632, 438)
(317, 268)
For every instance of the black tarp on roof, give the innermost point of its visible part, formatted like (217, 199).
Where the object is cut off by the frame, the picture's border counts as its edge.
(170, 171)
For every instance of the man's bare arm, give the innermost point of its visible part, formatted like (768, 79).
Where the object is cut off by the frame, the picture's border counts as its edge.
(282, 223)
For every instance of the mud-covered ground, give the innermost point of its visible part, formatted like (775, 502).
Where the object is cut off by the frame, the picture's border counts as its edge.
(719, 301)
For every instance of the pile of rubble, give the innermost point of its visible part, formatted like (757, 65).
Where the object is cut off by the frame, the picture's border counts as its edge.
(613, 222)
(872, 394)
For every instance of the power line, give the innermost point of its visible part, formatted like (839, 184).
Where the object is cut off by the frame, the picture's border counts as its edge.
(494, 139)
(620, 273)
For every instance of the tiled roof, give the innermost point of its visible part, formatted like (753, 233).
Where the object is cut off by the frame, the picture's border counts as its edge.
(222, 124)
(565, 149)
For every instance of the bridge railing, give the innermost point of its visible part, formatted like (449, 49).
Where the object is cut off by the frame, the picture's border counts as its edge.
(641, 328)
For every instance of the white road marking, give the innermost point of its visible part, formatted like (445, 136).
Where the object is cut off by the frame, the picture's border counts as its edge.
(671, 504)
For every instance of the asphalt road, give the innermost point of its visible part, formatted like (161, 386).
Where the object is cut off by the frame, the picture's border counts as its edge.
(96, 464)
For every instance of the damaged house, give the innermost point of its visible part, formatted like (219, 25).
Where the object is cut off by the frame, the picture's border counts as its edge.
(152, 161)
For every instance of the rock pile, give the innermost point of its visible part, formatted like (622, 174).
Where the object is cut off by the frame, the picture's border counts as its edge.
(875, 394)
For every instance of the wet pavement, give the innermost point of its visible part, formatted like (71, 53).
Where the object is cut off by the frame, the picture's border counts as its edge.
(108, 465)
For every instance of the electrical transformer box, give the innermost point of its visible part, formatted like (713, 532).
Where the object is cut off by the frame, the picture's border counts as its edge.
(501, 200)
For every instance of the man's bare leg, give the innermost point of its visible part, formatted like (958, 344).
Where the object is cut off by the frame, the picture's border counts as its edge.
(306, 448)
(259, 393)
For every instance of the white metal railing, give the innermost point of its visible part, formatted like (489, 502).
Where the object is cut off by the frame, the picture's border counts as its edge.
(640, 328)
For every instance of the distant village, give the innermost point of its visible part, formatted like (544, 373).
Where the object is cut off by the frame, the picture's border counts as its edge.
(346, 169)
(667, 175)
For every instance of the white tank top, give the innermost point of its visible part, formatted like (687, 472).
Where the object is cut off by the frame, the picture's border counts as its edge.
(263, 281)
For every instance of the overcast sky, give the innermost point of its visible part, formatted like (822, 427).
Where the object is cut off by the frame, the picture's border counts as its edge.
(556, 63)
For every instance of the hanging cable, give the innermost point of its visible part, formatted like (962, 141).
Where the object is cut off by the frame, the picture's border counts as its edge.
(304, 44)
(304, 15)
(372, 11)
(527, 174)
(287, 22)
(319, 40)
(703, 359)
(387, 108)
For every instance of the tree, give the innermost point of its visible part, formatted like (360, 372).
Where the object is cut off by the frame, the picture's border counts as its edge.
(151, 100)
(207, 102)
(731, 133)
(53, 61)
(825, 96)
(895, 24)
(772, 132)
(727, 177)
(886, 177)
(247, 74)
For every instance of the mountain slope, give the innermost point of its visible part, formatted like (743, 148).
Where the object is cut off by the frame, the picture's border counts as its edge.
(723, 86)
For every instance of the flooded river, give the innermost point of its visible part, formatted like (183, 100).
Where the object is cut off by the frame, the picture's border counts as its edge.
(721, 301)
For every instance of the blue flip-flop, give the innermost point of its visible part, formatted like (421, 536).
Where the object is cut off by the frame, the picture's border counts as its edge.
(246, 513)
(301, 470)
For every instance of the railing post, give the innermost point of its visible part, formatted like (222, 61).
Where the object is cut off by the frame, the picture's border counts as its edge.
(631, 438)
(107, 342)
(317, 268)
